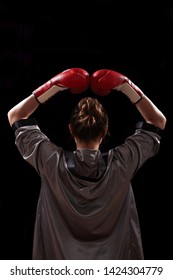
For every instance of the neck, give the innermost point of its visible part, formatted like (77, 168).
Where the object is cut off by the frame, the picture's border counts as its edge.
(90, 147)
(93, 145)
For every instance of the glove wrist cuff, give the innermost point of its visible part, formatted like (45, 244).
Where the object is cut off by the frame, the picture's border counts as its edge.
(131, 91)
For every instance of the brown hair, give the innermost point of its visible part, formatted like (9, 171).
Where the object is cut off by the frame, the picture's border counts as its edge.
(88, 119)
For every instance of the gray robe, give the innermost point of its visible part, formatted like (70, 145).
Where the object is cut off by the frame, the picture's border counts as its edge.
(86, 214)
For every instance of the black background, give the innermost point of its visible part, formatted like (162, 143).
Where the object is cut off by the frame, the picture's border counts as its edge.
(39, 42)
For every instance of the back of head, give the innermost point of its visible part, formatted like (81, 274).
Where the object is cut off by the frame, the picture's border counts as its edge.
(89, 119)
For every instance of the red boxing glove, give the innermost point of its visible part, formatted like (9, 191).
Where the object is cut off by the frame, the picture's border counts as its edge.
(105, 80)
(75, 79)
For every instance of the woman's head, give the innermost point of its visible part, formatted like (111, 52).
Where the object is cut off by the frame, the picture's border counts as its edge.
(89, 120)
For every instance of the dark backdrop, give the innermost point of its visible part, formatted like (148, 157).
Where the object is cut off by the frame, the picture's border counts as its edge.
(39, 42)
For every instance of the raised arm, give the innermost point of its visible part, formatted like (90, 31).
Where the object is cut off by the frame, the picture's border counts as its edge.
(104, 81)
(75, 79)
(23, 109)
(151, 113)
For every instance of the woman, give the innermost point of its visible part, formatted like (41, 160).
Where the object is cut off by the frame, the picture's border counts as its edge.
(86, 207)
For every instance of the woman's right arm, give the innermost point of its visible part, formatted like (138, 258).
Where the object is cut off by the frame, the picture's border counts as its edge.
(151, 113)
(104, 81)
